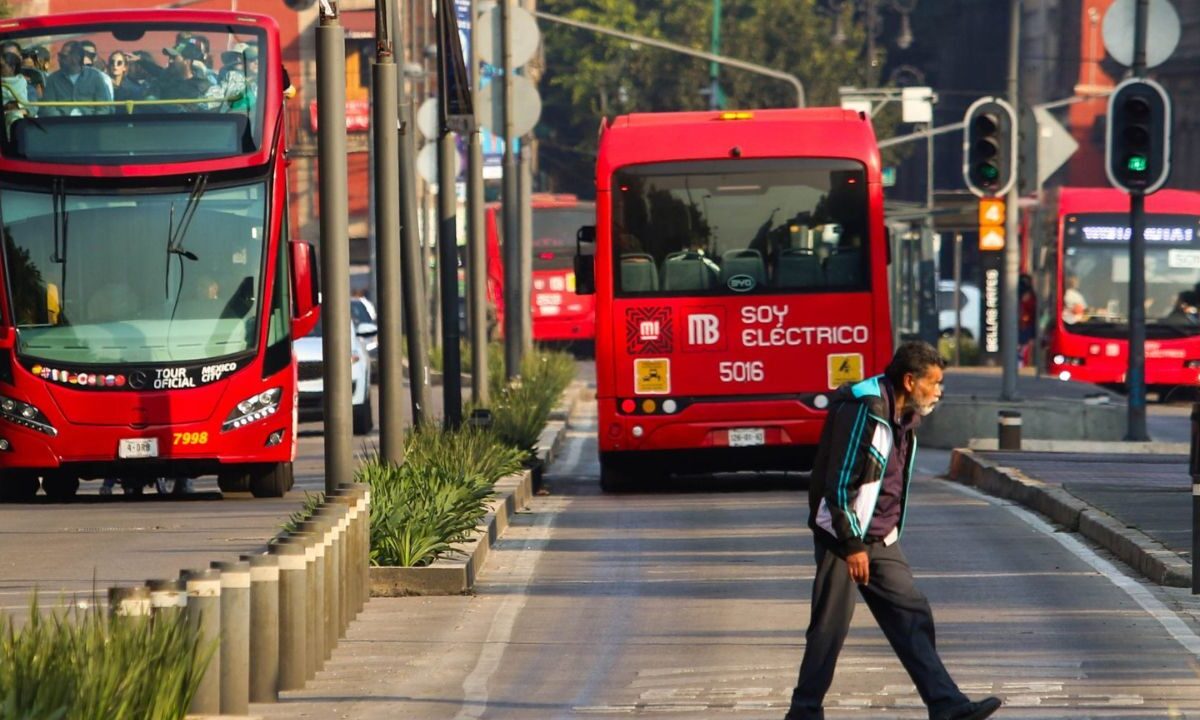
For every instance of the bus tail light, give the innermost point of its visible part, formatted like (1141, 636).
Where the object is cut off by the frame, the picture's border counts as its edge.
(25, 415)
(253, 409)
(1192, 364)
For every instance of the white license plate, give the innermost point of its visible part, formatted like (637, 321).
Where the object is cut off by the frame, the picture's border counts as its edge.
(744, 437)
(138, 448)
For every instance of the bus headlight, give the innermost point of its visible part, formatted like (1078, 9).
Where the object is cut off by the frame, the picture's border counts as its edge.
(253, 409)
(25, 415)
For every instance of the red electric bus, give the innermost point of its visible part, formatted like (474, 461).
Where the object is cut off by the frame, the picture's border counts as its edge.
(151, 294)
(559, 314)
(1088, 336)
(740, 274)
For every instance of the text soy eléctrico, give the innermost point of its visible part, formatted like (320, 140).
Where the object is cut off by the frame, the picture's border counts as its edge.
(766, 327)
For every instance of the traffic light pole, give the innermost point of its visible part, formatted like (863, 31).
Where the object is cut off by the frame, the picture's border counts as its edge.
(1010, 303)
(1135, 378)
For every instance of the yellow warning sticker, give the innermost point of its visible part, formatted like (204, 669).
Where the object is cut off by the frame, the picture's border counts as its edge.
(845, 368)
(652, 376)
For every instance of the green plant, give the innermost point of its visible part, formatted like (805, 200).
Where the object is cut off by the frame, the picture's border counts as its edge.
(82, 664)
(311, 502)
(523, 407)
(466, 452)
(968, 350)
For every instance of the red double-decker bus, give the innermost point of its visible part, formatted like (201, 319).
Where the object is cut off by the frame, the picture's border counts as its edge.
(740, 276)
(151, 294)
(559, 314)
(1088, 336)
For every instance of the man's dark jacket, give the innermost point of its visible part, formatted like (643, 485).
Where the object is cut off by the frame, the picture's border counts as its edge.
(852, 458)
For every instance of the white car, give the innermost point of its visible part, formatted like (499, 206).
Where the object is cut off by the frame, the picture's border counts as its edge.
(310, 370)
(968, 309)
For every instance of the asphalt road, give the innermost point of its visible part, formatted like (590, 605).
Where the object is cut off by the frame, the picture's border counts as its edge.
(693, 604)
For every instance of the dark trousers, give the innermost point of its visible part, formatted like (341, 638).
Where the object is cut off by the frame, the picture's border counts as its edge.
(902, 613)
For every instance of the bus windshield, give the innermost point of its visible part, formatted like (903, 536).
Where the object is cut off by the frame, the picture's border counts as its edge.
(1095, 297)
(740, 226)
(134, 276)
(120, 92)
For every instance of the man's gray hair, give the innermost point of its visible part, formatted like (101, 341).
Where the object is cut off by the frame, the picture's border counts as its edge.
(913, 357)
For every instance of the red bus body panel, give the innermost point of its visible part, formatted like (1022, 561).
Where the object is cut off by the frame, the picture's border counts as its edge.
(794, 335)
(91, 422)
(1106, 360)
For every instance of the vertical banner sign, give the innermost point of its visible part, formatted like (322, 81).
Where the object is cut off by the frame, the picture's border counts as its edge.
(454, 84)
(991, 264)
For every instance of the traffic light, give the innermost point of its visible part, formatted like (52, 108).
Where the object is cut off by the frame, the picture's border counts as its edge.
(1138, 137)
(989, 147)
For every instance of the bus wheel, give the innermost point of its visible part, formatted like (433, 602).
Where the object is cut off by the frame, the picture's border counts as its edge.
(613, 477)
(271, 480)
(231, 481)
(18, 487)
(60, 488)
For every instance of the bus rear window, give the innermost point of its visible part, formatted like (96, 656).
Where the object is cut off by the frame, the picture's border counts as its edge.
(740, 226)
(554, 236)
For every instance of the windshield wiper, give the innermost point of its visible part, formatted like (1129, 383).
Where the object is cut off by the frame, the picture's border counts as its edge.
(58, 205)
(175, 234)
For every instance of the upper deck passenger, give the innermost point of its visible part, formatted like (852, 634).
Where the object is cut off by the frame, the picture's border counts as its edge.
(75, 82)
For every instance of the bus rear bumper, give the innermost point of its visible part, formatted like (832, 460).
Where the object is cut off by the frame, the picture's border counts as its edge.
(774, 427)
(564, 329)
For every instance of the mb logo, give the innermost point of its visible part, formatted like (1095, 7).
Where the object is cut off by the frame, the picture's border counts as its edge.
(703, 329)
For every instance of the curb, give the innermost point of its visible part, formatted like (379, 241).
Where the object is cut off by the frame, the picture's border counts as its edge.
(1088, 446)
(455, 574)
(1132, 546)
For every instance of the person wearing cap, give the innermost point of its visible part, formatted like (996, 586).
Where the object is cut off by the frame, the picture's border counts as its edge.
(180, 81)
(239, 78)
(75, 82)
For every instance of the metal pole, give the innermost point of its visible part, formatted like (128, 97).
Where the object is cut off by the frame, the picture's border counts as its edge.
(411, 266)
(714, 69)
(525, 222)
(264, 628)
(235, 637)
(1194, 469)
(1010, 303)
(957, 297)
(1135, 378)
(335, 244)
(204, 617)
(448, 260)
(509, 207)
(387, 240)
(476, 242)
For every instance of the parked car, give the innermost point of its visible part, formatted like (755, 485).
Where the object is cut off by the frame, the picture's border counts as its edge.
(968, 308)
(311, 369)
(364, 317)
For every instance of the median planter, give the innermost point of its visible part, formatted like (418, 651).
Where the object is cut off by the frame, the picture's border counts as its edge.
(455, 572)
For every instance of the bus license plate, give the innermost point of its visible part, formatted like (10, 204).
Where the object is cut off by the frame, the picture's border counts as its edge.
(138, 448)
(744, 437)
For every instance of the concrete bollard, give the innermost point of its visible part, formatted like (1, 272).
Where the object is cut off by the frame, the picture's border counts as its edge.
(361, 517)
(314, 580)
(1194, 471)
(322, 528)
(235, 637)
(334, 515)
(129, 602)
(1009, 430)
(264, 627)
(293, 613)
(345, 501)
(204, 616)
(168, 598)
(337, 507)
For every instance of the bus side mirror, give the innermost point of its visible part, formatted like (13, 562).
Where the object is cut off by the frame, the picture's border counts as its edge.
(306, 290)
(585, 265)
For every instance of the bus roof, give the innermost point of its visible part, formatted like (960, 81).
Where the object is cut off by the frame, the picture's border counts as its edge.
(1101, 199)
(713, 135)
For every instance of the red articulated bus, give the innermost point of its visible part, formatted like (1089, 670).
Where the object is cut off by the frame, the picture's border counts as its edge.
(1088, 336)
(559, 314)
(740, 273)
(151, 294)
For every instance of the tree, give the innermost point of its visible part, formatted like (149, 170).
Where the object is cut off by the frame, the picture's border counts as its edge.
(588, 77)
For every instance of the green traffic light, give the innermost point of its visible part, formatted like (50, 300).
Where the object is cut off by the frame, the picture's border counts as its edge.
(988, 171)
(1137, 163)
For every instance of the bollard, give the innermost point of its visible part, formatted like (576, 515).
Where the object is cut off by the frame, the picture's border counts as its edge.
(360, 515)
(264, 628)
(293, 610)
(1194, 470)
(335, 515)
(338, 507)
(314, 581)
(204, 616)
(168, 598)
(129, 602)
(1009, 431)
(322, 527)
(347, 500)
(235, 637)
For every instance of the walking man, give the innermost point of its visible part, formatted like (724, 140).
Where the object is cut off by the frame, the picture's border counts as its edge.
(857, 498)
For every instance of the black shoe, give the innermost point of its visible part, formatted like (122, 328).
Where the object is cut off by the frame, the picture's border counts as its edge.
(973, 710)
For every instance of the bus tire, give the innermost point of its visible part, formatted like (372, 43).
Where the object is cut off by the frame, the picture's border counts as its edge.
(231, 481)
(18, 487)
(362, 419)
(273, 480)
(613, 477)
(60, 487)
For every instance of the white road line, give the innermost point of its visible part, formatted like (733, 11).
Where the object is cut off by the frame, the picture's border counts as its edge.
(1171, 622)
